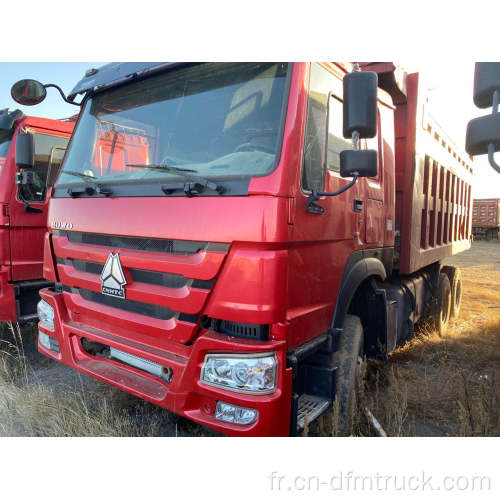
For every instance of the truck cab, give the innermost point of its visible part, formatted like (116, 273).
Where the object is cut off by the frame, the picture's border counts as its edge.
(24, 196)
(209, 255)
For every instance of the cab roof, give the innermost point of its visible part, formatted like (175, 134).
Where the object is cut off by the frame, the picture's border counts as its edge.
(113, 74)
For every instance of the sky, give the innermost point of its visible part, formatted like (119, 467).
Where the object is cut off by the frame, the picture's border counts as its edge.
(450, 97)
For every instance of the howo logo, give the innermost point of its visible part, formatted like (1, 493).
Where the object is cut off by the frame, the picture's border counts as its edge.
(62, 225)
(112, 277)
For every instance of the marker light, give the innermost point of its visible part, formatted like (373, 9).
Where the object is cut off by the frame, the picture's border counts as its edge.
(250, 373)
(48, 342)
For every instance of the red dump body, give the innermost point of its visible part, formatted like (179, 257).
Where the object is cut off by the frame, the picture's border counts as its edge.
(486, 213)
(433, 179)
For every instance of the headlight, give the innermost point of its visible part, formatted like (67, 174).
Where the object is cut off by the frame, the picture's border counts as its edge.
(46, 314)
(241, 372)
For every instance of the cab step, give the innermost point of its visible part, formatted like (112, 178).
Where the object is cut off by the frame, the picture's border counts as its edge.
(311, 407)
(27, 318)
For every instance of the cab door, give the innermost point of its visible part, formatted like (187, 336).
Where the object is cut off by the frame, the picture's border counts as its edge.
(322, 242)
(29, 207)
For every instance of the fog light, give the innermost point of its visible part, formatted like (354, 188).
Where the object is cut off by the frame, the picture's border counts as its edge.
(48, 342)
(235, 414)
(46, 314)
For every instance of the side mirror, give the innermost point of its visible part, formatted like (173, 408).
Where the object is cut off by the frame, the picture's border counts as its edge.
(359, 122)
(362, 163)
(486, 82)
(360, 104)
(25, 151)
(28, 92)
(481, 132)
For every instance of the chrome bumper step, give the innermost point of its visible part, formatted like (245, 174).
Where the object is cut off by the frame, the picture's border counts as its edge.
(311, 407)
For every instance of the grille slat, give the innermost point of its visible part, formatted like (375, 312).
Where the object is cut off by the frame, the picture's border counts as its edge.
(175, 247)
(134, 306)
(167, 280)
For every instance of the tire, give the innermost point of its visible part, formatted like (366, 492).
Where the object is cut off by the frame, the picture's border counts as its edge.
(441, 317)
(455, 276)
(349, 359)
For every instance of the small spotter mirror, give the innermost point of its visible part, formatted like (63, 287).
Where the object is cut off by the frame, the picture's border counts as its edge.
(28, 92)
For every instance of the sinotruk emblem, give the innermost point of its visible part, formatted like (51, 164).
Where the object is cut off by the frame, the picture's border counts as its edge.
(113, 278)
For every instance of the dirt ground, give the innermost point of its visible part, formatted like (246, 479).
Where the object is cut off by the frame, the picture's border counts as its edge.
(433, 386)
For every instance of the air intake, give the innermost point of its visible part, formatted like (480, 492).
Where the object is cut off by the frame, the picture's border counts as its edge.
(242, 330)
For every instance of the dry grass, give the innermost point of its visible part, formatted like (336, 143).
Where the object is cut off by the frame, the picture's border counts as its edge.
(31, 406)
(446, 386)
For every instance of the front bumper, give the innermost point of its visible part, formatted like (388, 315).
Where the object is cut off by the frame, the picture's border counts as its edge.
(185, 395)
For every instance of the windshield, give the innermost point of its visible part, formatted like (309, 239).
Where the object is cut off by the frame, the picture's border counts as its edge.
(219, 121)
(5, 137)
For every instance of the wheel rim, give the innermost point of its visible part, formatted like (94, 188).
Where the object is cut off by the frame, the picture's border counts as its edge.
(458, 294)
(445, 308)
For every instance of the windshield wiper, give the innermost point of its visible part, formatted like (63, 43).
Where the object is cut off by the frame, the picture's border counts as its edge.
(194, 187)
(93, 186)
(159, 166)
(79, 174)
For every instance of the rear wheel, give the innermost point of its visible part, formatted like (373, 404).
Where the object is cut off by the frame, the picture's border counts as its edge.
(455, 276)
(349, 360)
(441, 317)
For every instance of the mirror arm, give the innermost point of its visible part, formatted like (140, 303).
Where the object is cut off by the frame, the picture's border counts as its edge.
(314, 208)
(491, 158)
(65, 99)
(491, 147)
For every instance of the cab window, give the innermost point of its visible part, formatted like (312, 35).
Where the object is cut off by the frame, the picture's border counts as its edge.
(335, 141)
(49, 151)
(323, 138)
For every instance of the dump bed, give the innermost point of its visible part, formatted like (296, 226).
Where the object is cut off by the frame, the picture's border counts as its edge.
(433, 179)
(486, 213)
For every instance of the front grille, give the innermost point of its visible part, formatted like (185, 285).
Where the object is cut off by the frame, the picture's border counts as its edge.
(167, 280)
(133, 306)
(176, 247)
(142, 276)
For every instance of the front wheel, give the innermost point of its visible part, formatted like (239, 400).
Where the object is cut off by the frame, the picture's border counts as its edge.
(349, 359)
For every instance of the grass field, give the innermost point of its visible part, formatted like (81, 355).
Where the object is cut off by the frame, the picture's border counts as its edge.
(433, 386)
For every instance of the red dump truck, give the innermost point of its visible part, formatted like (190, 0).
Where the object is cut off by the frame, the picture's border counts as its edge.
(215, 261)
(486, 218)
(31, 151)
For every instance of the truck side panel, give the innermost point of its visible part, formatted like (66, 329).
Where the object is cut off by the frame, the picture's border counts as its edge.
(433, 188)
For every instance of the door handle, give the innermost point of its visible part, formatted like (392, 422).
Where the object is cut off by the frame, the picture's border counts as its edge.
(34, 210)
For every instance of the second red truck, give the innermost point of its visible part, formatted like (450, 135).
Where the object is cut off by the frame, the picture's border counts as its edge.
(31, 150)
